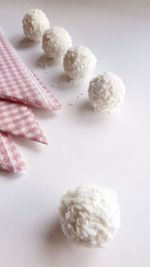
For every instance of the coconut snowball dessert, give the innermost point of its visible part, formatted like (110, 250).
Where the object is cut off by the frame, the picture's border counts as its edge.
(90, 215)
(35, 22)
(106, 92)
(56, 41)
(79, 63)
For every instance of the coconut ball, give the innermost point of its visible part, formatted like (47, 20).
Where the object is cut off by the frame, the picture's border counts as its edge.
(35, 22)
(56, 41)
(106, 92)
(90, 215)
(79, 63)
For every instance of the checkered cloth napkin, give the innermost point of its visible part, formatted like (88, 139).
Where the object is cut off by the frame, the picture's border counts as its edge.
(10, 158)
(18, 119)
(18, 83)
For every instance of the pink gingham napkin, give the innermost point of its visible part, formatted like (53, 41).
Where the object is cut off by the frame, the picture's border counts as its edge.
(18, 83)
(10, 158)
(19, 120)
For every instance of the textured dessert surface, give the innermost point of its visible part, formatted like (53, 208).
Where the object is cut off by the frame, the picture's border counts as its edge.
(85, 147)
(90, 215)
(106, 92)
(35, 22)
(79, 63)
(56, 41)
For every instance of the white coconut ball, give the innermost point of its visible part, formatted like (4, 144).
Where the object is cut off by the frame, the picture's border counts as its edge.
(35, 22)
(90, 215)
(79, 63)
(106, 92)
(56, 41)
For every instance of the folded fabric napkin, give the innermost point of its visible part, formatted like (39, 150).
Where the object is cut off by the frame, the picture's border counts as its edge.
(18, 119)
(10, 158)
(18, 83)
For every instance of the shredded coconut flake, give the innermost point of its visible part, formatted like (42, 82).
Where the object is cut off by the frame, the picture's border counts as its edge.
(56, 41)
(90, 215)
(79, 63)
(35, 22)
(106, 92)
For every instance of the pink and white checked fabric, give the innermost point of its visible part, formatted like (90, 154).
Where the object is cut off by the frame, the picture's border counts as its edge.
(18, 119)
(18, 83)
(10, 158)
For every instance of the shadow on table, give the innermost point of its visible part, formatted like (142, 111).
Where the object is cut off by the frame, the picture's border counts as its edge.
(9, 175)
(54, 235)
(58, 250)
(28, 144)
(44, 61)
(85, 114)
(21, 42)
(44, 114)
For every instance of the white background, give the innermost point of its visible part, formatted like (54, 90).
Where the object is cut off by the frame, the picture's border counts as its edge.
(84, 147)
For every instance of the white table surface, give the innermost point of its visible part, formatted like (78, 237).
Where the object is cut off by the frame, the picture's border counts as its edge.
(84, 147)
